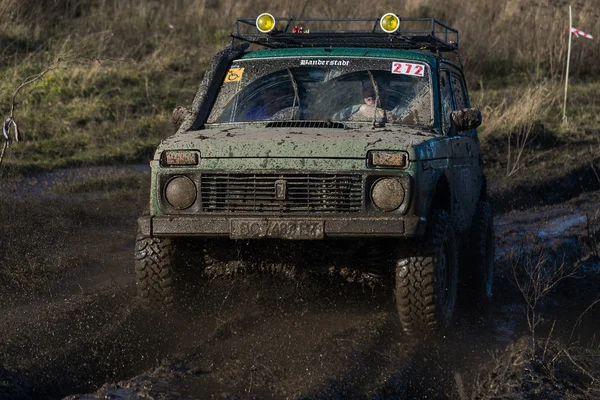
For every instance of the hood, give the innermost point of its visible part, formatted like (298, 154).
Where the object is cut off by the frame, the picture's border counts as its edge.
(298, 142)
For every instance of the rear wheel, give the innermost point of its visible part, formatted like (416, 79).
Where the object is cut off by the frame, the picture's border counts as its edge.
(427, 278)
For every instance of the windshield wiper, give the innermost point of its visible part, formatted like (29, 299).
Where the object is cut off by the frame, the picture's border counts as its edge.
(296, 95)
(376, 124)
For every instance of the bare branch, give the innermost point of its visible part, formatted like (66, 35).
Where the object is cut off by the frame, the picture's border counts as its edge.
(73, 56)
(548, 340)
(522, 140)
(29, 80)
(4, 147)
(581, 316)
(592, 377)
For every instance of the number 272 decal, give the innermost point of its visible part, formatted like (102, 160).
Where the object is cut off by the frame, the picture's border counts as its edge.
(408, 69)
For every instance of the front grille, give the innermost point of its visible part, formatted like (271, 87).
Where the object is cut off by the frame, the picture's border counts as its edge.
(281, 193)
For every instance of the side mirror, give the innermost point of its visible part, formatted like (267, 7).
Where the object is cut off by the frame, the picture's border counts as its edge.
(466, 119)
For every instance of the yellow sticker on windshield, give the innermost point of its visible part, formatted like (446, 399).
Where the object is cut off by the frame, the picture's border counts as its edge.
(234, 75)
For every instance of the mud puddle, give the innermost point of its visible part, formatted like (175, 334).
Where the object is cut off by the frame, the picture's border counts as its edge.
(254, 336)
(274, 340)
(334, 342)
(563, 227)
(42, 183)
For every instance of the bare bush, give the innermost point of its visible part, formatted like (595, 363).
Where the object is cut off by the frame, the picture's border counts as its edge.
(547, 367)
(77, 54)
(517, 113)
(513, 161)
(10, 122)
(535, 274)
(547, 370)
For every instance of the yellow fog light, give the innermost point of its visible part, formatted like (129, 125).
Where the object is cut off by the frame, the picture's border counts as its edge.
(265, 22)
(180, 192)
(387, 194)
(390, 23)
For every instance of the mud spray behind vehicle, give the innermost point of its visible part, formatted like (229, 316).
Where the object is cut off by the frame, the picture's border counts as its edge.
(328, 148)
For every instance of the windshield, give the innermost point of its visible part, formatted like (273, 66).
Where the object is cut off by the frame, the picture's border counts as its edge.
(317, 89)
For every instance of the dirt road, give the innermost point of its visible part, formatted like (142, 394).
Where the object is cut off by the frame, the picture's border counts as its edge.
(72, 322)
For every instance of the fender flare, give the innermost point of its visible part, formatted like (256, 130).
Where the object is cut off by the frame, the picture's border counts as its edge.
(438, 180)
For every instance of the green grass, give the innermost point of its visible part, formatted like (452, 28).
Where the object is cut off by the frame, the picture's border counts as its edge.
(583, 107)
(118, 113)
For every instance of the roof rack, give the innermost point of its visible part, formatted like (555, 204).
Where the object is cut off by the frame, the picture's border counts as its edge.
(413, 33)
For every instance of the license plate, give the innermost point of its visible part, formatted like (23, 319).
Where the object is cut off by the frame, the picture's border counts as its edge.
(261, 228)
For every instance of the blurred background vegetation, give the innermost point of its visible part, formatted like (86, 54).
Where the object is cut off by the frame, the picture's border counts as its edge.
(119, 67)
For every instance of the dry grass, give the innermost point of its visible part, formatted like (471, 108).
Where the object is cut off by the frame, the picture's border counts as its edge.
(514, 37)
(521, 107)
(130, 62)
(514, 116)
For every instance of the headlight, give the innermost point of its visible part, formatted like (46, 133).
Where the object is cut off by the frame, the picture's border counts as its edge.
(180, 192)
(390, 159)
(387, 194)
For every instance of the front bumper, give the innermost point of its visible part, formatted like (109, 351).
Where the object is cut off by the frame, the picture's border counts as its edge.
(211, 226)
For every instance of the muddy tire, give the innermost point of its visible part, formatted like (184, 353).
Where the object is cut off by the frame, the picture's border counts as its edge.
(427, 278)
(479, 274)
(154, 261)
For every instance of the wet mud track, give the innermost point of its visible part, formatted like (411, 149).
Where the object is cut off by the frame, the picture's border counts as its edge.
(252, 336)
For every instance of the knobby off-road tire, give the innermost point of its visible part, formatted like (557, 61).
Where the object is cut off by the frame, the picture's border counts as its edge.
(427, 278)
(479, 276)
(154, 262)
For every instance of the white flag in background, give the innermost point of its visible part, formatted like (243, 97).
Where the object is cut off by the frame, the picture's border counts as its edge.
(578, 33)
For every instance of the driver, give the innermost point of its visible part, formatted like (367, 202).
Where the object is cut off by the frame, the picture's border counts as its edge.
(368, 110)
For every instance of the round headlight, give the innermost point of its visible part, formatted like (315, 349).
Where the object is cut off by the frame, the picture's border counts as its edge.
(180, 192)
(265, 22)
(390, 23)
(387, 194)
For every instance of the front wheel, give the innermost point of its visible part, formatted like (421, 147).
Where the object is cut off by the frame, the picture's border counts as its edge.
(154, 262)
(427, 278)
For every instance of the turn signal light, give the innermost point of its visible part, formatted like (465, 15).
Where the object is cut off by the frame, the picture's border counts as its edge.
(265, 22)
(390, 23)
(182, 158)
(390, 159)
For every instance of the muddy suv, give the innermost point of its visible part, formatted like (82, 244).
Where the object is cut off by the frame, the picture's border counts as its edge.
(354, 151)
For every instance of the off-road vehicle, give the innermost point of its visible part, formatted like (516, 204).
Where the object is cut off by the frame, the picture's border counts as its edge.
(313, 145)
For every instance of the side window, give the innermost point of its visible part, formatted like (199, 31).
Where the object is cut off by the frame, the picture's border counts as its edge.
(446, 97)
(459, 92)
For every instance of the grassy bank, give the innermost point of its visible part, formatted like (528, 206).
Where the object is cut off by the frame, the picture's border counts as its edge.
(119, 68)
